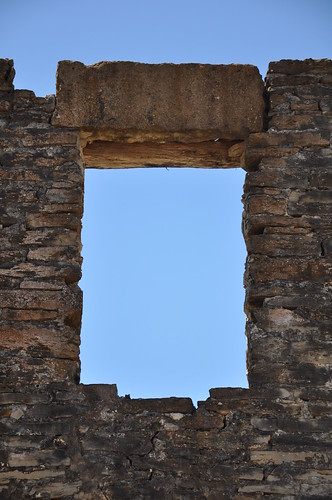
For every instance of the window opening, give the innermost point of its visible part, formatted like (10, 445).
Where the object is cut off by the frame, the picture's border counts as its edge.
(163, 281)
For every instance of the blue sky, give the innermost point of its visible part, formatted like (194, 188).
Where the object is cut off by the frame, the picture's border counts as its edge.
(163, 250)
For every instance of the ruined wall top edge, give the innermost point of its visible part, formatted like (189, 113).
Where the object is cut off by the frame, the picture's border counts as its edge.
(224, 101)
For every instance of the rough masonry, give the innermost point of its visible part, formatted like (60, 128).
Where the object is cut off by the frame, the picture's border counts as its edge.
(62, 439)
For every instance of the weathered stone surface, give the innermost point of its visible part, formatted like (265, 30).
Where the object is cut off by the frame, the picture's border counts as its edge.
(61, 439)
(292, 163)
(196, 101)
(305, 67)
(7, 74)
(205, 154)
(40, 304)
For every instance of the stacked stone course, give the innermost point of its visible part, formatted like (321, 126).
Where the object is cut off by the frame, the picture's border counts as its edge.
(42, 191)
(288, 230)
(62, 439)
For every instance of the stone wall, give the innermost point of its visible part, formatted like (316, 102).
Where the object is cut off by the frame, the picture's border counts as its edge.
(61, 439)
(287, 227)
(42, 191)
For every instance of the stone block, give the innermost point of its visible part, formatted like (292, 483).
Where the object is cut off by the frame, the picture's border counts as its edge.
(186, 101)
(7, 74)
(293, 67)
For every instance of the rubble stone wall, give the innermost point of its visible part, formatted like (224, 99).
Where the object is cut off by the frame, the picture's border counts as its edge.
(62, 439)
(42, 204)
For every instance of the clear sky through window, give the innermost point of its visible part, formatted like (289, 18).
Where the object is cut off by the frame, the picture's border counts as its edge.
(162, 279)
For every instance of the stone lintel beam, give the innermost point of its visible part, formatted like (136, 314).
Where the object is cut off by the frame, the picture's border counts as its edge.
(126, 101)
(205, 154)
